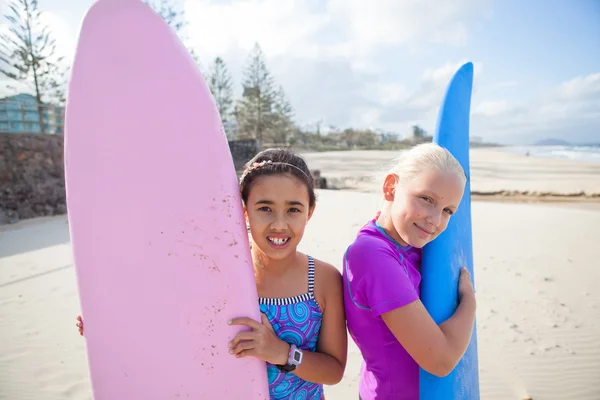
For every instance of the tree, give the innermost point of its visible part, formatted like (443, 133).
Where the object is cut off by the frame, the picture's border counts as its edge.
(175, 18)
(220, 84)
(254, 111)
(418, 132)
(283, 115)
(27, 53)
(167, 11)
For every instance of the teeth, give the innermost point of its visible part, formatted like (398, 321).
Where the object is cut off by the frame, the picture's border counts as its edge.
(278, 241)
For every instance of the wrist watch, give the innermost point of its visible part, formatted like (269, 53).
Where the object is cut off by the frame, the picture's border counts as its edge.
(294, 359)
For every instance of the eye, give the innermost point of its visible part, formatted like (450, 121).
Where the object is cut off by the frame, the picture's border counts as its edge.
(265, 209)
(449, 211)
(294, 210)
(427, 199)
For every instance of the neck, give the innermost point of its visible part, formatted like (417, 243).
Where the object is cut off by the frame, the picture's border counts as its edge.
(265, 266)
(385, 220)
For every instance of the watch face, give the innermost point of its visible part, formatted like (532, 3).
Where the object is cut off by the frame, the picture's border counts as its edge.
(297, 356)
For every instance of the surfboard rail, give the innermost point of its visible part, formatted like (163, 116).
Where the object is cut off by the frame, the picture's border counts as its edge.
(453, 249)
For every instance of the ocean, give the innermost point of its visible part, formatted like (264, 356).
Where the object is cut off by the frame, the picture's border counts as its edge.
(589, 153)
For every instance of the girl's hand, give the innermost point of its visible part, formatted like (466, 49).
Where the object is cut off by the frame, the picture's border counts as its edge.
(80, 324)
(261, 342)
(464, 284)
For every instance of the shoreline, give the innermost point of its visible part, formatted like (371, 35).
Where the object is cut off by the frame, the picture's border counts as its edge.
(495, 175)
(500, 196)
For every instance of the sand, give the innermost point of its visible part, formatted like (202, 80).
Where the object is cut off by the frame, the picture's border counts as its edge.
(536, 273)
(494, 172)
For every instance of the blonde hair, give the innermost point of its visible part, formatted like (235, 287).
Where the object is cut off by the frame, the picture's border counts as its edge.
(423, 157)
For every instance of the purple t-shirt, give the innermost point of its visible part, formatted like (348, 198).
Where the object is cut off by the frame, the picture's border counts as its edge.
(380, 275)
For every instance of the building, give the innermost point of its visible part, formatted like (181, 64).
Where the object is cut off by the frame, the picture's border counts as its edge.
(20, 114)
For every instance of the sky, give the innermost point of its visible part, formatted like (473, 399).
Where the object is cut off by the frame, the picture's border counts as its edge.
(385, 64)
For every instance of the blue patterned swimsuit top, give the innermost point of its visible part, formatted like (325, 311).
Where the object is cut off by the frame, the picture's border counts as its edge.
(296, 320)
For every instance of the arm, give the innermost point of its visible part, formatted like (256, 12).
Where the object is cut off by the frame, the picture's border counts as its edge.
(437, 349)
(327, 364)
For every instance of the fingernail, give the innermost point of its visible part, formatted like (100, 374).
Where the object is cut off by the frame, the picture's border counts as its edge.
(229, 322)
(231, 351)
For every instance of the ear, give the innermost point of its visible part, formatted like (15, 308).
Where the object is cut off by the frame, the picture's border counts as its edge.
(310, 212)
(389, 187)
(246, 216)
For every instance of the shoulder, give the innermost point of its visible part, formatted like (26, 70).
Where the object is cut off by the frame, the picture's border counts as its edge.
(326, 273)
(328, 283)
(369, 249)
(369, 243)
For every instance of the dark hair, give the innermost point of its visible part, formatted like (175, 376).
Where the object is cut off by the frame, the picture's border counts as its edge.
(276, 162)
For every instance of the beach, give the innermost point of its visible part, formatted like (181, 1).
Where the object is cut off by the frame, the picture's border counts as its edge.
(536, 275)
(496, 174)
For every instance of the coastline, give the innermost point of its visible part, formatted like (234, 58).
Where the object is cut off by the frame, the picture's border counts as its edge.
(496, 175)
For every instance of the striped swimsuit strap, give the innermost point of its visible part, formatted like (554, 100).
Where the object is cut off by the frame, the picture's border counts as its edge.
(295, 299)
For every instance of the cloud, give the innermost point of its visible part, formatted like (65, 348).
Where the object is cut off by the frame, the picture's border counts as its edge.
(435, 81)
(392, 22)
(568, 110)
(505, 84)
(325, 53)
(349, 29)
(579, 88)
(219, 28)
(492, 108)
(401, 106)
(64, 35)
(356, 63)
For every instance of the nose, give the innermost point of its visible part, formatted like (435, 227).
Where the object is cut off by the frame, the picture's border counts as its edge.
(435, 218)
(278, 223)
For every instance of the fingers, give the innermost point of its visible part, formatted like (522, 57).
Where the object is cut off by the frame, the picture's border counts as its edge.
(249, 322)
(465, 274)
(79, 325)
(246, 353)
(265, 321)
(243, 346)
(242, 336)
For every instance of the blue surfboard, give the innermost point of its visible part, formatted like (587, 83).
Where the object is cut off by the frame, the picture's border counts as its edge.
(443, 258)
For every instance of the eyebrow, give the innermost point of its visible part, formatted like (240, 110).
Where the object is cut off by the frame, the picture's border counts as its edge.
(430, 193)
(289, 203)
(433, 194)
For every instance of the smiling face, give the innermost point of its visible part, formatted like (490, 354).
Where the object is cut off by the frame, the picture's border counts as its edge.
(277, 211)
(418, 210)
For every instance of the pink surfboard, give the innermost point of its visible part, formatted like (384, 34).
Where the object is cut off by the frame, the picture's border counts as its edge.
(160, 245)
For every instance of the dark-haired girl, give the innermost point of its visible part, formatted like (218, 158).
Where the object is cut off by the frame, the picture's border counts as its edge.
(302, 336)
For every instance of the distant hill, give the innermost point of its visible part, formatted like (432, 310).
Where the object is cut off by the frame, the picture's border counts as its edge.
(552, 142)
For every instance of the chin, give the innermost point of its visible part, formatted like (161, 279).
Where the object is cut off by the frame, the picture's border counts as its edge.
(278, 255)
(275, 254)
(417, 243)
